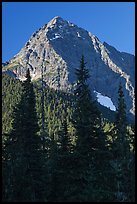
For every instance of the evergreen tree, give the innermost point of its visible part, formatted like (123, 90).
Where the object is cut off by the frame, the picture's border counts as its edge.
(23, 151)
(122, 157)
(121, 120)
(53, 172)
(60, 166)
(65, 156)
(91, 144)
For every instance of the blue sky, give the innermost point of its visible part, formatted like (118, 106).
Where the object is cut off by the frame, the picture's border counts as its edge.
(113, 22)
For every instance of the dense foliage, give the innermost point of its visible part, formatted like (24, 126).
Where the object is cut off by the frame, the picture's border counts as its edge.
(85, 157)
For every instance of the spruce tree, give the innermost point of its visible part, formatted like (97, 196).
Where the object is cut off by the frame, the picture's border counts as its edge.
(65, 156)
(23, 150)
(60, 166)
(90, 144)
(53, 171)
(122, 157)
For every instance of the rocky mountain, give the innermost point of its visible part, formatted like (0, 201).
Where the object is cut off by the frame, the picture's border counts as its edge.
(58, 47)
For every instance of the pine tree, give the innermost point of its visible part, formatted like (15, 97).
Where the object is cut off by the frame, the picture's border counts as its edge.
(65, 156)
(53, 171)
(23, 150)
(121, 152)
(121, 120)
(60, 165)
(91, 144)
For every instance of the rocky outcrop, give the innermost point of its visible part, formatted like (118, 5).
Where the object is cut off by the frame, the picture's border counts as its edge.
(58, 47)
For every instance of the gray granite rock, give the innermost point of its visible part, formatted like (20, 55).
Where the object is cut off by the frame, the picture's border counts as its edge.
(62, 44)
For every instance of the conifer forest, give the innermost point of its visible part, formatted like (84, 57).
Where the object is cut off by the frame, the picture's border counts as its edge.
(59, 147)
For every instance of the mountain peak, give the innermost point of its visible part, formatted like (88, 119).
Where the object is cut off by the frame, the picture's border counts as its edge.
(62, 44)
(55, 20)
(57, 17)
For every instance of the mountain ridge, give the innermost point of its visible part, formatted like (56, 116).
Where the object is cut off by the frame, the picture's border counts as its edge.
(62, 43)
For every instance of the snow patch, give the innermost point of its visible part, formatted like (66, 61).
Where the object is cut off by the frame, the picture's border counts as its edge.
(94, 43)
(57, 35)
(105, 101)
(71, 24)
(79, 36)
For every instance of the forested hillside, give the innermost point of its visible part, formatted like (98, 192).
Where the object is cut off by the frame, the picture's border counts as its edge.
(83, 153)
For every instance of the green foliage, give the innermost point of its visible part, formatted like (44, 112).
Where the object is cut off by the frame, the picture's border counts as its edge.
(88, 156)
(22, 154)
(11, 95)
(91, 152)
(122, 161)
(60, 164)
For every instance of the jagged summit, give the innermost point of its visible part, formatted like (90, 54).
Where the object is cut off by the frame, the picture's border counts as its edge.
(59, 20)
(62, 44)
(56, 19)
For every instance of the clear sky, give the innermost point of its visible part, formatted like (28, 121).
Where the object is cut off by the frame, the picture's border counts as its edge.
(113, 22)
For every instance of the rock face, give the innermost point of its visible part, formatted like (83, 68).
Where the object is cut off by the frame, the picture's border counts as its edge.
(58, 47)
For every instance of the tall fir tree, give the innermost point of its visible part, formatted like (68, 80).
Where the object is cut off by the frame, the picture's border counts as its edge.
(122, 162)
(60, 166)
(91, 143)
(23, 151)
(53, 171)
(65, 156)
